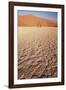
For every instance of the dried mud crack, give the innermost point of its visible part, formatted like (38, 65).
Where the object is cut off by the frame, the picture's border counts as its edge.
(37, 53)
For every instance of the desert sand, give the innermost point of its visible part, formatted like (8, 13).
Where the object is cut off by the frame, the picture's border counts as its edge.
(30, 21)
(37, 52)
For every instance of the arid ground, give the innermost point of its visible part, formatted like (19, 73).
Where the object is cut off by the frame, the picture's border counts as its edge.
(37, 52)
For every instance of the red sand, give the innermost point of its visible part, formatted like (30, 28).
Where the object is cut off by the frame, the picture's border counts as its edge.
(29, 21)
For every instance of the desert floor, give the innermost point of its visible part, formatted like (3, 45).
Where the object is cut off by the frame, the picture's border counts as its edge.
(37, 52)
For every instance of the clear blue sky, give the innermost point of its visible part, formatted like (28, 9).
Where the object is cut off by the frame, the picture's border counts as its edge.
(43, 14)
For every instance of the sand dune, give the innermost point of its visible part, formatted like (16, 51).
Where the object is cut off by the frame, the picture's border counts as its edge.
(37, 52)
(30, 20)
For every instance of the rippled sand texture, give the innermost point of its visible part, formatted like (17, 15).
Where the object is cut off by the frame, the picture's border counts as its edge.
(37, 52)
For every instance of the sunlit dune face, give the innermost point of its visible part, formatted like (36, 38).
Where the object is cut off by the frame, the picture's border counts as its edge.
(29, 21)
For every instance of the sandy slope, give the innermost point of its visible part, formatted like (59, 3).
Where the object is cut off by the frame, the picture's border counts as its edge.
(34, 21)
(37, 52)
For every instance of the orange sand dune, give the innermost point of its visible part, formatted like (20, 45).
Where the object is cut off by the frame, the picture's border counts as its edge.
(30, 20)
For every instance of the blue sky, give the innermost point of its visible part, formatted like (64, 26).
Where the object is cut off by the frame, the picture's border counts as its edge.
(43, 14)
